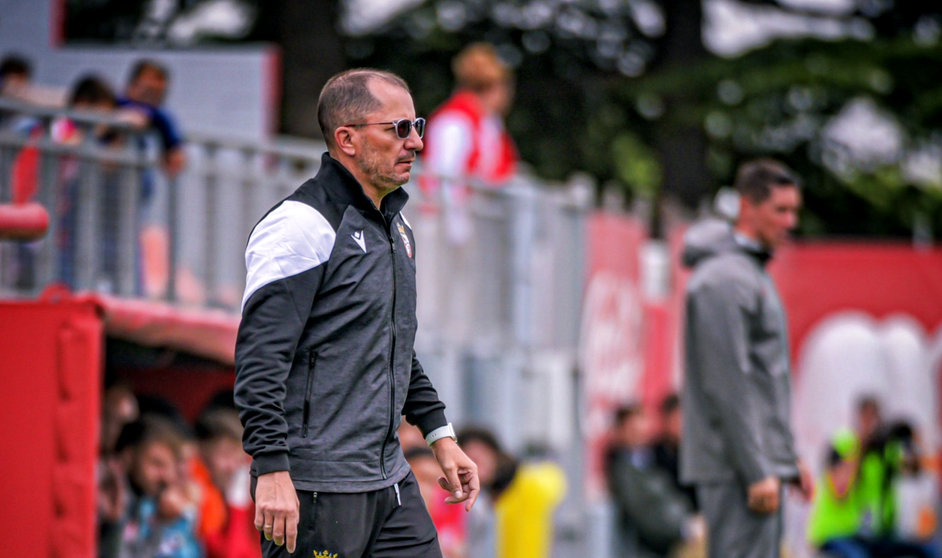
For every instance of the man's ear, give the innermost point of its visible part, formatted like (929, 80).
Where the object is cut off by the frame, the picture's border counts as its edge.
(345, 139)
(745, 206)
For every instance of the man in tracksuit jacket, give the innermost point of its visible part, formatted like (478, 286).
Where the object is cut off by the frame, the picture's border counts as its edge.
(737, 448)
(325, 365)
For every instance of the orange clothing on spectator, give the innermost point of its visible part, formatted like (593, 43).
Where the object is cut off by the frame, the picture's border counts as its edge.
(226, 531)
(212, 511)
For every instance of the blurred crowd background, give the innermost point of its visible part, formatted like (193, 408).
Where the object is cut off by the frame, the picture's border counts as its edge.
(155, 133)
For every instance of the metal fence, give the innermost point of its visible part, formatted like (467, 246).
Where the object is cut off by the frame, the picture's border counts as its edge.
(500, 275)
(90, 190)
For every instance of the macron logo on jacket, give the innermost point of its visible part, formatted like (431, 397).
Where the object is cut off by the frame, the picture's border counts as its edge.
(360, 240)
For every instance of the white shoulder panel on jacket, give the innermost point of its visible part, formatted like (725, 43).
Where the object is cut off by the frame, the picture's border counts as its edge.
(291, 239)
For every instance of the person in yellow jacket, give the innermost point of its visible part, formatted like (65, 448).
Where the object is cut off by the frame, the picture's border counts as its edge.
(523, 497)
(839, 505)
(525, 510)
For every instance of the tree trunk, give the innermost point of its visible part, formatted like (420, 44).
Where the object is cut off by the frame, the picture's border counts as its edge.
(311, 50)
(681, 145)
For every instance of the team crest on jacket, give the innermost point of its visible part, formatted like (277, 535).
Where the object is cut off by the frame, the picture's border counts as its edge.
(405, 239)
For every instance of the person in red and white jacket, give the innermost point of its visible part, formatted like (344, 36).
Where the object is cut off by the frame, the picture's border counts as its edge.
(466, 140)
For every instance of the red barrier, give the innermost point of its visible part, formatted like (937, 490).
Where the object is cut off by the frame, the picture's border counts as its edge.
(27, 221)
(51, 364)
(51, 355)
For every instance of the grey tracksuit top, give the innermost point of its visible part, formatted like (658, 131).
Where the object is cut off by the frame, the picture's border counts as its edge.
(736, 393)
(325, 364)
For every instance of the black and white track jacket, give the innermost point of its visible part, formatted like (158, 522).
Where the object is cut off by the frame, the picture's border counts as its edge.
(325, 364)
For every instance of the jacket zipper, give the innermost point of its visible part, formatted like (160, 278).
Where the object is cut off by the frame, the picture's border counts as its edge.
(312, 358)
(392, 358)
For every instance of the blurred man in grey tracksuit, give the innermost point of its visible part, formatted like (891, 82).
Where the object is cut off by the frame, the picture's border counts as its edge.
(738, 449)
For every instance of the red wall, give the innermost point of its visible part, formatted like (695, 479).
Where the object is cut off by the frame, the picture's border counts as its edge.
(190, 389)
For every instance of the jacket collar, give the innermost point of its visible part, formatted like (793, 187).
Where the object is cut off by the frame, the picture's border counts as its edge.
(754, 249)
(344, 187)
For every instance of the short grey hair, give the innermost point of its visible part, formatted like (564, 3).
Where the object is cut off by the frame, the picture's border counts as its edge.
(346, 98)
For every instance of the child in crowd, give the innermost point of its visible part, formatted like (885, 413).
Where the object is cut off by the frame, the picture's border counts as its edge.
(154, 516)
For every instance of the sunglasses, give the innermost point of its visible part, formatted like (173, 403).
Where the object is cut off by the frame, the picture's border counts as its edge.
(403, 126)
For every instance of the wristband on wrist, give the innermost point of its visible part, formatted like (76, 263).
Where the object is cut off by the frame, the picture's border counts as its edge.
(447, 431)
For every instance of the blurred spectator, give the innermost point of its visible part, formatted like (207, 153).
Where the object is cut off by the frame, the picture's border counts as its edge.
(448, 519)
(667, 445)
(93, 95)
(222, 471)
(738, 447)
(187, 488)
(654, 516)
(523, 495)
(847, 519)
(15, 78)
(150, 513)
(16, 82)
(526, 507)
(891, 458)
(119, 408)
(837, 507)
(159, 406)
(15, 75)
(482, 447)
(466, 136)
(146, 91)
(869, 419)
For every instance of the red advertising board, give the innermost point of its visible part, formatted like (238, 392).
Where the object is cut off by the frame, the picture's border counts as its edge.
(864, 319)
(610, 352)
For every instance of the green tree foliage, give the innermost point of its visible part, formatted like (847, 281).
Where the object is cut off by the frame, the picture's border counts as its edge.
(638, 100)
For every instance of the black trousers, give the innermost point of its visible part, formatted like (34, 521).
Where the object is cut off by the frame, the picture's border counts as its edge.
(387, 523)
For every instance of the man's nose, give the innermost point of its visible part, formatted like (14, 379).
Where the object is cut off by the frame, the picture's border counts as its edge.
(414, 142)
(792, 221)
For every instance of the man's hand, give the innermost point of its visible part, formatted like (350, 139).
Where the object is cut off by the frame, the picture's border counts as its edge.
(805, 484)
(461, 474)
(277, 509)
(763, 495)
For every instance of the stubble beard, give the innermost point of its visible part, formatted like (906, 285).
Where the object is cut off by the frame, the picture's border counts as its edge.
(386, 180)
